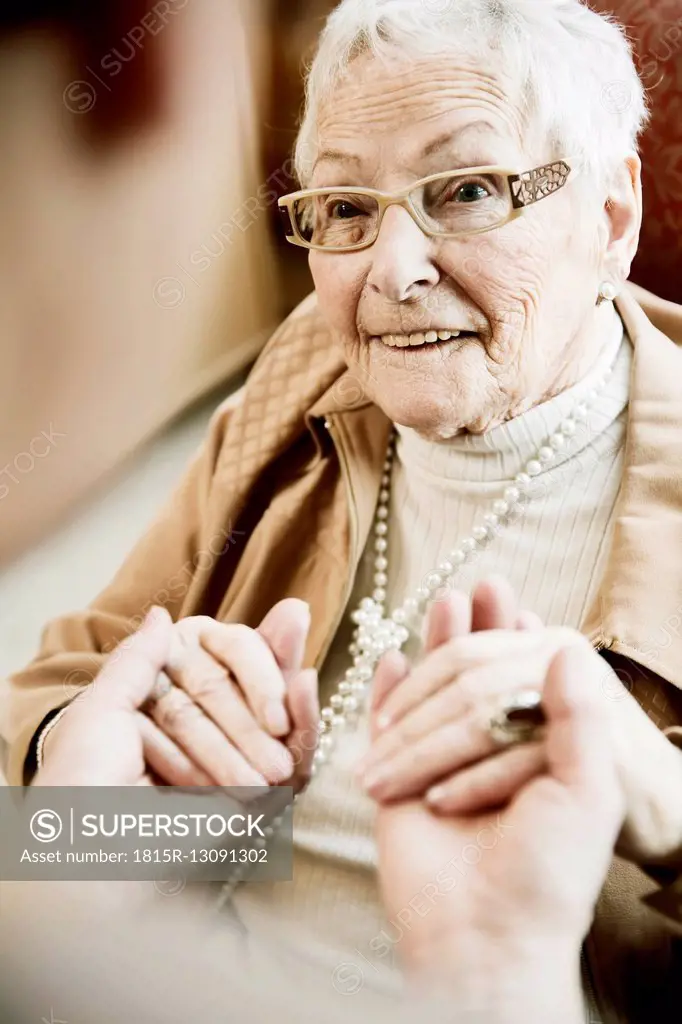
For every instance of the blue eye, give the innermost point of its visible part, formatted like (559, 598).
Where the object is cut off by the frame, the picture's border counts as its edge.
(470, 193)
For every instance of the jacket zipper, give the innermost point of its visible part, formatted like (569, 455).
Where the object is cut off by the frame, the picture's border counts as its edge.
(345, 473)
(600, 642)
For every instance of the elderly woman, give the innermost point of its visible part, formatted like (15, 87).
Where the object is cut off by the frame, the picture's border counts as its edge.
(471, 389)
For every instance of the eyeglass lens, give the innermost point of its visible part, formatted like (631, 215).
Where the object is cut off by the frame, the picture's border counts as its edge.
(451, 204)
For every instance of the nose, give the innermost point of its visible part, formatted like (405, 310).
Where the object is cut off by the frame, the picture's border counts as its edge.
(402, 267)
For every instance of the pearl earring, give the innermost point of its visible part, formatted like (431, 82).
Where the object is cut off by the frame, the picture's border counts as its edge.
(607, 291)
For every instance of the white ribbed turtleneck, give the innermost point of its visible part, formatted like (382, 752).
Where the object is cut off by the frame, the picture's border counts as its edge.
(553, 553)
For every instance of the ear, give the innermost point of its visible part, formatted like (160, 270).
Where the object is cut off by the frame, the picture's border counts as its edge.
(623, 220)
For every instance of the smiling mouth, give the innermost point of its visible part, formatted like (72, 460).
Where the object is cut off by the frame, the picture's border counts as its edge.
(420, 338)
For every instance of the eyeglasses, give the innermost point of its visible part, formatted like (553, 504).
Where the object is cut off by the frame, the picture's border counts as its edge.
(450, 204)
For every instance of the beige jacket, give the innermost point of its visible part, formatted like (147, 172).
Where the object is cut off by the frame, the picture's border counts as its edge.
(279, 503)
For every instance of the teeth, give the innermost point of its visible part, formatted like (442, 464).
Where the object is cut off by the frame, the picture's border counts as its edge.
(412, 340)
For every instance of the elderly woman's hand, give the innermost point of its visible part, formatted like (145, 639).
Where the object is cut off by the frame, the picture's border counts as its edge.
(240, 705)
(99, 740)
(435, 740)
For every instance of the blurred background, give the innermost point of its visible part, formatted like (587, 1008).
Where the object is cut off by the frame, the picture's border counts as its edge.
(144, 147)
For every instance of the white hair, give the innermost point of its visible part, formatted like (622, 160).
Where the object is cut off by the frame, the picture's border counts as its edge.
(574, 68)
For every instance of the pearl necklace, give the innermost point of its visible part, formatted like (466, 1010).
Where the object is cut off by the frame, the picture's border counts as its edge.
(374, 633)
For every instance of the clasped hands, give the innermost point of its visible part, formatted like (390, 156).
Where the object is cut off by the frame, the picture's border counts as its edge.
(431, 722)
(243, 711)
(497, 856)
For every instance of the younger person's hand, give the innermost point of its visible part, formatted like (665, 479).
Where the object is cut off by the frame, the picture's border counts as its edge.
(508, 897)
(100, 743)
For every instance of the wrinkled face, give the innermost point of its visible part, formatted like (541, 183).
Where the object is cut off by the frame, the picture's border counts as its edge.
(523, 296)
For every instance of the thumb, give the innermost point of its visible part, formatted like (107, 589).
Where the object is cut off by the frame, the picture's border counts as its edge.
(131, 670)
(579, 750)
(285, 629)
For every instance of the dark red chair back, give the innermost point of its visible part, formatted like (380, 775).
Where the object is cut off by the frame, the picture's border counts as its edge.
(655, 28)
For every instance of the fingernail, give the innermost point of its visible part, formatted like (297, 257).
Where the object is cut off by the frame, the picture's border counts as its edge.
(155, 614)
(435, 795)
(281, 768)
(310, 675)
(383, 721)
(375, 778)
(276, 718)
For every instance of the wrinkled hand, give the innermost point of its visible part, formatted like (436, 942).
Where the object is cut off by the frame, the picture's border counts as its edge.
(241, 710)
(510, 894)
(435, 743)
